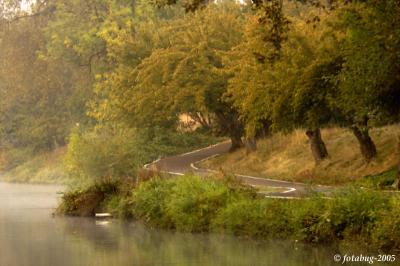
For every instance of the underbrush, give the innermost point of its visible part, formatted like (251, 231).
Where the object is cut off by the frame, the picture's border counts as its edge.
(224, 205)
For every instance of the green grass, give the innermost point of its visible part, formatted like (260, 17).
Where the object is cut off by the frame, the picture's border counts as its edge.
(288, 157)
(383, 180)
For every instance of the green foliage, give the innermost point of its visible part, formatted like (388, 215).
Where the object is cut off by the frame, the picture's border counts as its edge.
(187, 203)
(40, 98)
(179, 71)
(349, 215)
(105, 152)
(310, 221)
(255, 218)
(386, 233)
(354, 212)
(383, 180)
(370, 54)
(193, 203)
(150, 201)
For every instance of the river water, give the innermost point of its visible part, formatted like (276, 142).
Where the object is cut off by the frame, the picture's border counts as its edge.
(31, 236)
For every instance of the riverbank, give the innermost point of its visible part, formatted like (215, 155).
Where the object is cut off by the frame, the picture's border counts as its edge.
(224, 205)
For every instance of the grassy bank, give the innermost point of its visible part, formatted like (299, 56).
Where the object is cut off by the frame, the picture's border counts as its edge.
(288, 157)
(224, 205)
(44, 168)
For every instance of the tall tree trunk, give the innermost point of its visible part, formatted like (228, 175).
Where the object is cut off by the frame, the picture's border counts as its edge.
(317, 145)
(367, 146)
(398, 166)
(236, 141)
(230, 125)
(396, 184)
(251, 145)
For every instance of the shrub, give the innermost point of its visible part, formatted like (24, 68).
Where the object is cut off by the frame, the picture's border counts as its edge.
(193, 202)
(150, 202)
(310, 222)
(386, 233)
(187, 203)
(119, 205)
(254, 217)
(354, 211)
(105, 152)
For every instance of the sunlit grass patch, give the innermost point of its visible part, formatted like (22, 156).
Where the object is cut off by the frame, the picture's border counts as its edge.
(288, 157)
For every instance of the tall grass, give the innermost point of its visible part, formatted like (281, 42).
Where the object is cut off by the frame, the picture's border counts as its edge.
(45, 168)
(288, 156)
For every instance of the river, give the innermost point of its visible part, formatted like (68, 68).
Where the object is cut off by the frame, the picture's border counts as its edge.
(31, 236)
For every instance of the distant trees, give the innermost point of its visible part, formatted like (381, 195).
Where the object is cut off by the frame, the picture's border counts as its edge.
(40, 97)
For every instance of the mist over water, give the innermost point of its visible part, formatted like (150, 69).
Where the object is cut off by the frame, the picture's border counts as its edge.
(30, 236)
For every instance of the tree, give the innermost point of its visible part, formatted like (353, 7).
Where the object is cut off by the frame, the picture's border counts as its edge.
(286, 81)
(181, 73)
(369, 83)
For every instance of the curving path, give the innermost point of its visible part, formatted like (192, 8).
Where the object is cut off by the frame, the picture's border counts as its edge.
(186, 163)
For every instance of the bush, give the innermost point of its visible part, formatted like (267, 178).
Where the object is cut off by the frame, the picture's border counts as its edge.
(187, 203)
(254, 217)
(193, 202)
(354, 211)
(386, 234)
(105, 152)
(150, 202)
(310, 221)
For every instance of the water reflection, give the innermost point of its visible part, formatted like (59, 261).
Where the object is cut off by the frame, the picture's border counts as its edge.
(29, 235)
(121, 243)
